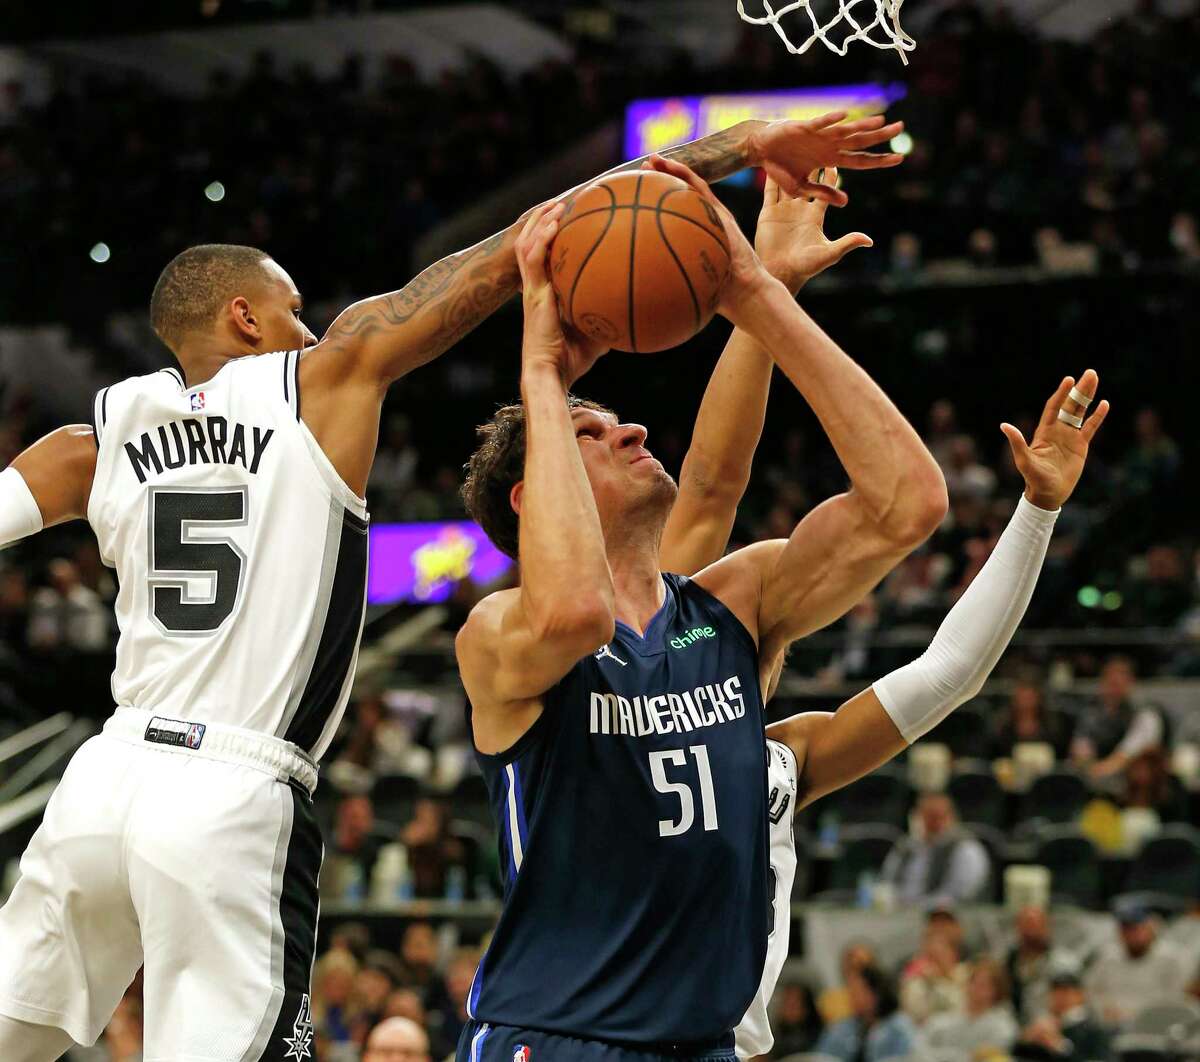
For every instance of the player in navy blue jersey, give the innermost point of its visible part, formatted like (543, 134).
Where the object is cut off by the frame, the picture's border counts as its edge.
(618, 712)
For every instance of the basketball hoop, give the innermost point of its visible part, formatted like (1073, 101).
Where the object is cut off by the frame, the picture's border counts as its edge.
(881, 32)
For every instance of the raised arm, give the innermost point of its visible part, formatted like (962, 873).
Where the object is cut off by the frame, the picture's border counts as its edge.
(516, 644)
(385, 337)
(793, 247)
(868, 730)
(47, 484)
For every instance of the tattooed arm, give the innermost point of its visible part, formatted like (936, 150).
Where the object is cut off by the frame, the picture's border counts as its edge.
(377, 341)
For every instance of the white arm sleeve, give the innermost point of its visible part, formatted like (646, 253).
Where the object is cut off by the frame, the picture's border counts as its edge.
(20, 516)
(978, 629)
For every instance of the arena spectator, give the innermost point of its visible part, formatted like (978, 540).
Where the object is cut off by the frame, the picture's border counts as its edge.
(432, 849)
(796, 1022)
(1116, 728)
(1136, 970)
(333, 983)
(419, 960)
(1068, 1030)
(373, 984)
(985, 1026)
(944, 865)
(934, 979)
(877, 1028)
(449, 1015)
(1030, 961)
(1150, 784)
(834, 1003)
(965, 476)
(1159, 592)
(1027, 718)
(397, 1040)
(66, 614)
(346, 871)
(407, 1003)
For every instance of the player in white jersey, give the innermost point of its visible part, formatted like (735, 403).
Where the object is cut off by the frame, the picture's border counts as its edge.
(229, 497)
(811, 754)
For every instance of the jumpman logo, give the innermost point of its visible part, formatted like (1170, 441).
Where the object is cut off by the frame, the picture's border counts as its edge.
(607, 652)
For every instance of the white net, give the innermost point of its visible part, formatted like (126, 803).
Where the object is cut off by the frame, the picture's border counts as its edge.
(837, 31)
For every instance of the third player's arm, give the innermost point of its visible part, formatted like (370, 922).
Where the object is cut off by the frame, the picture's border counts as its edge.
(516, 644)
(871, 728)
(792, 244)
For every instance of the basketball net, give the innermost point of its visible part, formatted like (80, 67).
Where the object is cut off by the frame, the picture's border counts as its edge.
(883, 31)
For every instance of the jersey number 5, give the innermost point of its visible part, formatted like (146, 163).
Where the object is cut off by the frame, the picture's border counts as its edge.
(687, 803)
(183, 551)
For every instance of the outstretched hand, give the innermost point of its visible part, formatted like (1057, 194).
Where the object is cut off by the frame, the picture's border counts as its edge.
(790, 151)
(791, 238)
(547, 341)
(1052, 464)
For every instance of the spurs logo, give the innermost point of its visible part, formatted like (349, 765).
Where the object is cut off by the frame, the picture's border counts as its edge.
(300, 1042)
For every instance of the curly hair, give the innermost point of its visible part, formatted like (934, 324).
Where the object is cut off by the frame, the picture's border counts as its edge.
(498, 465)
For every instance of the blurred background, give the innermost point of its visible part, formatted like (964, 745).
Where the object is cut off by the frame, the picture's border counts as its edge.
(1026, 881)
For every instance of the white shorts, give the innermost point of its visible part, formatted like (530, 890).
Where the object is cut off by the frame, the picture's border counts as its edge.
(192, 851)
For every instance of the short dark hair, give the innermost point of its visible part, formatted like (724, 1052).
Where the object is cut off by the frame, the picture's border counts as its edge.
(197, 282)
(497, 466)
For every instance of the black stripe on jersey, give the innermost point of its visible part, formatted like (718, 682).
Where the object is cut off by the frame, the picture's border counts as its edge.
(339, 636)
(287, 358)
(298, 910)
(176, 375)
(99, 413)
(296, 380)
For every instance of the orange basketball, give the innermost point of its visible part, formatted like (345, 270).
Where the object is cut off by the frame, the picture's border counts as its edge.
(639, 262)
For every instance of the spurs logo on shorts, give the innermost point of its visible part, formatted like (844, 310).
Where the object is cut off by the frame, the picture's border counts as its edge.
(300, 1042)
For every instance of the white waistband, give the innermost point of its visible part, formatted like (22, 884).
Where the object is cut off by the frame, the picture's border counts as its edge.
(214, 741)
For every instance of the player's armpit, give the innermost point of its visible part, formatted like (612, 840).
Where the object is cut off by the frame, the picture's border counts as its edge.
(58, 469)
(834, 749)
(507, 663)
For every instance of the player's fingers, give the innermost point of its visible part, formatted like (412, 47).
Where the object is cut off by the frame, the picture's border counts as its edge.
(1016, 442)
(537, 246)
(684, 173)
(871, 138)
(1092, 424)
(823, 192)
(1054, 404)
(871, 121)
(823, 121)
(771, 193)
(868, 160)
(846, 244)
(531, 222)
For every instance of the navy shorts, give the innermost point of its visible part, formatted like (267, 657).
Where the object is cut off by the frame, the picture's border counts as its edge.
(481, 1042)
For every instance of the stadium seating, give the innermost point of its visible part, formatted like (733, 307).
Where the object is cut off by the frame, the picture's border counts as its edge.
(1074, 865)
(1058, 797)
(883, 796)
(977, 795)
(1168, 863)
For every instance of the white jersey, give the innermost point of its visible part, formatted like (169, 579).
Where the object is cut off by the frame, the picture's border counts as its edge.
(241, 554)
(754, 1033)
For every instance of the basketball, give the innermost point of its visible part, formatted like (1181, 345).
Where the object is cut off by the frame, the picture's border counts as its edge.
(639, 262)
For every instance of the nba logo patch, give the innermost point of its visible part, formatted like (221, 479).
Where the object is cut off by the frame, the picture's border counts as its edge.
(195, 735)
(522, 1053)
(197, 399)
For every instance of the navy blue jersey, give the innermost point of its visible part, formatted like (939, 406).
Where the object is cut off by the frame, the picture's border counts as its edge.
(633, 839)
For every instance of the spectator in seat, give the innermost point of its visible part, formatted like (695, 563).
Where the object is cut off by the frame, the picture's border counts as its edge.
(1027, 718)
(834, 1003)
(373, 985)
(432, 851)
(66, 614)
(1150, 784)
(419, 959)
(985, 1025)
(1117, 728)
(1030, 961)
(877, 1029)
(450, 1015)
(1068, 1030)
(1138, 969)
(934, 980)
(397, 1040)
(945, 865)
(346, 871)
(797, 1024)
